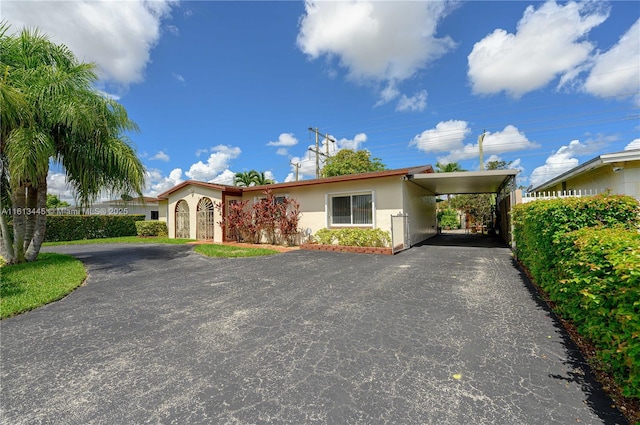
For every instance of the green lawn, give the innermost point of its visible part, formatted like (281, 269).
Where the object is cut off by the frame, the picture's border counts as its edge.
(232, 251)
(123, 239)
(24, 287)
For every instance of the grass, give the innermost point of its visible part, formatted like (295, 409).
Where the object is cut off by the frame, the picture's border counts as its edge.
(214, 250)
(29, 285)
(123, 239)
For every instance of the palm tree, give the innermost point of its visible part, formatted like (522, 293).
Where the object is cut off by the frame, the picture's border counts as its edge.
(251, 178)
(245, 178)
(51, 112)
(260, 179)
(450, 167)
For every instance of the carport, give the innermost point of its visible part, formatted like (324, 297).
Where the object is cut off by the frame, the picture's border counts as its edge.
(500, 182)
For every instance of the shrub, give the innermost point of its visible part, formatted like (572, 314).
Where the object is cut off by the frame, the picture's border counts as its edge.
(76, 227)
(585, 254)
(276, 221)
(448, 218)
(353, 236)
(151, 228)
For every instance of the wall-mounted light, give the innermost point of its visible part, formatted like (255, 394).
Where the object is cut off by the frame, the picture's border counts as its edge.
(191, 190)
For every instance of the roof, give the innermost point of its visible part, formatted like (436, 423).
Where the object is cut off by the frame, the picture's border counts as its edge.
(460, 182)
(437, 183)
(349, 177)
(592, 164)
(220, 187)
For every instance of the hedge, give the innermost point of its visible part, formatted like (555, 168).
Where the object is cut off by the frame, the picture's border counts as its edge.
(353, 237)
(585, 254)
(77, 227)
(151, 228)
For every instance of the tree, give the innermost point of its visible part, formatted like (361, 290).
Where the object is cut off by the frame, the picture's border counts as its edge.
(54, 202)
(348, 161)
(498, 165)
(51, 112)
(251, 178)
(448, 168)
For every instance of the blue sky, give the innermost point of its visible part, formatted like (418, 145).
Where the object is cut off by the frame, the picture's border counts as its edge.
(224, 87)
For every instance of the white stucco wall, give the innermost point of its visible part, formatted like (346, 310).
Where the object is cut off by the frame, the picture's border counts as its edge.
(192, 195)
(313, 199)
(420, 205)
(625, 181)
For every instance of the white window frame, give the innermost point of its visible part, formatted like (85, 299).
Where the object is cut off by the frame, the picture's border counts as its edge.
(275, 197)
(329, 212)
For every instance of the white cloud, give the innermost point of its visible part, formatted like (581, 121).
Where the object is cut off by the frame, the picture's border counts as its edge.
(307, 166)
(226, 177)
(562, 160)
(446, 136)
(615, 72)
(417, 102)
(285, 139)
(201, 151)
(57, 185)
(178, 77)
(548, 42)
(157, 183)
(291, 177)
(635, 144)
(375, 41)
(117, 35)
(508, 140)
(217, 162)
(160, 156)
(345, 143)
(282, 151)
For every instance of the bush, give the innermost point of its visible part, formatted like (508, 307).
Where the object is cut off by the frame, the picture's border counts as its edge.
(350, 236)
(76, 227)
(585, 254)
(599, 290)
(151, 228)
(448, 218)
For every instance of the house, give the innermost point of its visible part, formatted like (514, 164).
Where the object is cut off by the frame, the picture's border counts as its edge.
(401, 201)
(144, 205)
(617, 172)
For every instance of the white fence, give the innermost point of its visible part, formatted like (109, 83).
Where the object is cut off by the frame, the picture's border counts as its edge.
(534, 196)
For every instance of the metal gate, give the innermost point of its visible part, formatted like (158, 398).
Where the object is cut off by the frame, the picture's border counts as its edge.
(182, 220)
(205, 220)
(400, 238)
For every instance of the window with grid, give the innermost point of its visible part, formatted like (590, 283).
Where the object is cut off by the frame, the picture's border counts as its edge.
(352, 209)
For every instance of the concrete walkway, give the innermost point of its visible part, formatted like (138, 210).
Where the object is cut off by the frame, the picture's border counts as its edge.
(161, 335)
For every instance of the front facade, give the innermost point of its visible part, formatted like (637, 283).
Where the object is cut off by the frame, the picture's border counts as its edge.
(617, 172)
(366, 200)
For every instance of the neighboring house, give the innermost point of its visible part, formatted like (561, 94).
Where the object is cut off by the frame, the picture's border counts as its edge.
(145, 205)
(617, 172)
(365, 200)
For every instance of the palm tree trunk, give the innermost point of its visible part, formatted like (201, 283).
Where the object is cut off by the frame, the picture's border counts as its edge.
(40, 222)
(19, 201)
(29, 217)
(6, 244)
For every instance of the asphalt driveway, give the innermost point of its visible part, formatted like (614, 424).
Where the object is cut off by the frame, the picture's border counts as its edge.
(161, 335)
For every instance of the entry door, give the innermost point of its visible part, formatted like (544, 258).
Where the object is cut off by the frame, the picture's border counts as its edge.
(182, 220)
(206, 223)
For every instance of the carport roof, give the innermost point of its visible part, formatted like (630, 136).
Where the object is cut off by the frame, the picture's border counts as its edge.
(464, 181)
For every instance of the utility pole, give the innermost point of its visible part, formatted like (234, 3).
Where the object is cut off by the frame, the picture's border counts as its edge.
(317, 148)
(297, 168)
(480, 140)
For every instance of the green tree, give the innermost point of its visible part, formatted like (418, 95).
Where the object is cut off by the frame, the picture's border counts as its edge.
(498, 165)
(348, 161)
(448, 168)
(54, 202)
(251, 178)
(51, 112)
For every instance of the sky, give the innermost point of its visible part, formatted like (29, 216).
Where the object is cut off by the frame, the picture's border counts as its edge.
(222, 87)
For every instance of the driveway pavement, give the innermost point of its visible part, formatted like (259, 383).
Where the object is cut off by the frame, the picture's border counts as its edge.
(161, 335)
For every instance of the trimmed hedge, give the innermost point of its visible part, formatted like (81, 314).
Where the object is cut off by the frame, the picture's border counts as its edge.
(76, 227)
(350, 236)
(585, 254)
(151, 228)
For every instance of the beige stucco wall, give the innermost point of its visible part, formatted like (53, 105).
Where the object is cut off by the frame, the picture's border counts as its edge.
(626, 181)
(420, 205)
(387, 198)
(192, 195)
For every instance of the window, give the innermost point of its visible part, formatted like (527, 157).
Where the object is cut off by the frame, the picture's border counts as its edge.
(154, 215)
(352, 209)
